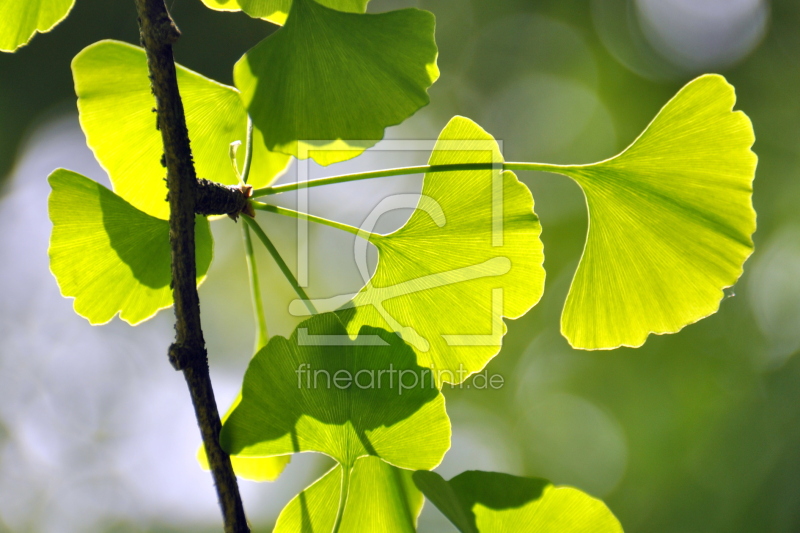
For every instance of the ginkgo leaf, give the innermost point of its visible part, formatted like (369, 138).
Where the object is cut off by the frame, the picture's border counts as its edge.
(328, 83)
(21, 19)
(108, 255)
(252, 468)
(276, 11)
(321, 391)
(380, 498)
(670, 222)
(490, 502)
(116, 114)
(469, 255)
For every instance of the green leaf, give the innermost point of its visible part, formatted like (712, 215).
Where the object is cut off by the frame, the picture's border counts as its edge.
(292, 401)
(276, 11)
(108, 255)
(336, 80)
(469, 255)
(116, 113)
(490, 502)
(670, 222)
(252, 468)
(381, 498)
(21, 19)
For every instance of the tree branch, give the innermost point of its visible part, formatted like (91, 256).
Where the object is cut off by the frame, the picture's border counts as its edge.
(188, 352)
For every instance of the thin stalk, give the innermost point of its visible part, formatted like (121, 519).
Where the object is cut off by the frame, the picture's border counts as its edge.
(343, 497)
(281, 263)
(277, 189)
(262, 334)
(248, 153)
(319, 220)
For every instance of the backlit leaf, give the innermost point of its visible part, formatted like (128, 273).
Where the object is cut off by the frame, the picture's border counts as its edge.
(276, 11)
(336, 80)
(381, 498)
(297, 397)
(670, 222)
(469, 255)
(21, 19)
(108, 255)
(116, 113)
(490, 502)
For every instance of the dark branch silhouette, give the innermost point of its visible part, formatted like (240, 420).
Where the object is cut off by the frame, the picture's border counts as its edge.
(188, 352)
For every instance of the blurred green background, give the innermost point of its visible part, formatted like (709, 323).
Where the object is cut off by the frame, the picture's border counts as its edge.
(695, 432)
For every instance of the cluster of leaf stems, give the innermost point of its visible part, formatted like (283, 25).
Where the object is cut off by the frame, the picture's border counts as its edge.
(261, 333)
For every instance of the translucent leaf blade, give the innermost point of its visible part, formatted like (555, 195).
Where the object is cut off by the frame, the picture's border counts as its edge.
(276, 11)
(116, 113)
(108, 255)
(20, 20)
(670, 222)
(450, 306)
(291, 401)
(491, 502)
(336, 80)
(381, 498)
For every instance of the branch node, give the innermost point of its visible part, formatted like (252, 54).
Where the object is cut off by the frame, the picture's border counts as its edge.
(182, 357)
(167, 31)
(216, 199)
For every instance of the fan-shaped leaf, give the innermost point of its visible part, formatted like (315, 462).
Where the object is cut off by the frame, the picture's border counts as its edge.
(21, 19)
(490, 502)
(469, 255)
(380, 498)
(108, 255)
(116, 113)
(336, 80)
(670, 222)
(321, 391)
(276, 11)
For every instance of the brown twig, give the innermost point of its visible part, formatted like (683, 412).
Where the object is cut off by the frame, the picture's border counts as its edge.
(188, 352)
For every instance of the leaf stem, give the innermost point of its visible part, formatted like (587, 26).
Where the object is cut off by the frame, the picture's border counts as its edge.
(342, 497)
(248, 153)
(262, 334)
(281, 263)
(319, 220)
(288, 187)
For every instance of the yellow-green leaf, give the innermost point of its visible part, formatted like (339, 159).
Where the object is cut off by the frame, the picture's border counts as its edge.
(321, 391)
(670, 222)
(381, 498)
(490, 502)
(469, 255)
(21, 19)
(108, 255)
(328, 83)
(276, 11)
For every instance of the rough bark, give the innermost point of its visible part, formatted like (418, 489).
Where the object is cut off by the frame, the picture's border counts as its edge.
(188, 352)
